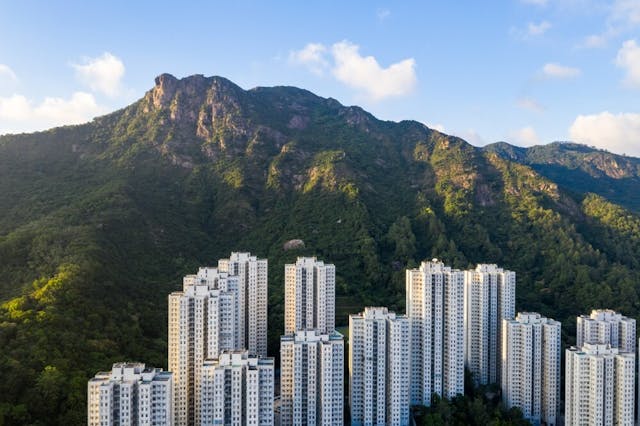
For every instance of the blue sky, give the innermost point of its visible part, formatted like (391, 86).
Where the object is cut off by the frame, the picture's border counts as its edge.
(524, 71)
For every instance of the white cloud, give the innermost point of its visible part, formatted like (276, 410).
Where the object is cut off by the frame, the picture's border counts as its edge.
(312, 56)
(530, 104)
(102, 74)
(525, 136)
(14, 108)
(19, 114)
(618, 133)
(628, 58)
(7, 73)
(559, 71)
(538, 29)
(364, 73)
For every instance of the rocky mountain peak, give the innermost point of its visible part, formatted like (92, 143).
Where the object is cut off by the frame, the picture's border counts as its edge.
(193, 90)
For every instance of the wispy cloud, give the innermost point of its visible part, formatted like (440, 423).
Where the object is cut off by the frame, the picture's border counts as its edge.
(626, 11)
(102, 74)
(436, 126)
(383, 14)
(18, 114)
(8, 79)
(623, 16)
(471, 136)
(525, 136)
(536, 2)
(530, 105)
(539, 29)
(7, 73)
(362, 73)
(594, 41)
(615, 132)
(628, 58)
(557, 71)
(532, 31)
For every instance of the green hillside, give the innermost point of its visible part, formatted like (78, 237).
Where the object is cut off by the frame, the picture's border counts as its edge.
(99, 222)
(579, 169)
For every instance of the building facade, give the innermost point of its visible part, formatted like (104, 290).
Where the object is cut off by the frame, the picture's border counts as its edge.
(130, 394)
(203, 321)
(253, 282)
(309, 298)
(435, 309)
(489, 298)
(599, 386)
(605, 326)
(237, 390)
(312, 378)
(379, 368)
(531, 367)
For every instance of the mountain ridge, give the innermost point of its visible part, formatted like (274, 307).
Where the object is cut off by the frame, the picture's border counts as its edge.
(580, 168)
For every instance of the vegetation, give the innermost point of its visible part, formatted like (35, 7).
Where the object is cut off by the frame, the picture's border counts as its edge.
(99, 222)
(479, 406)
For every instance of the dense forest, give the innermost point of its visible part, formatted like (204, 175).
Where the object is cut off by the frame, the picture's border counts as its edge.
(99, 222)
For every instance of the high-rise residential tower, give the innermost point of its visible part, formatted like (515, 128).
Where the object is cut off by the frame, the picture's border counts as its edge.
(312, 378)
(310, 296)
(253, 285)
(605, 326)
(203, 321)
(489, 297)
(130, 394)
(379, 368)
(237, 390)
(531, 367)
(599, 386)
(435, 308)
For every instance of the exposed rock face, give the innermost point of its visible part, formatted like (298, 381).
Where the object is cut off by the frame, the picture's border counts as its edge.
(298, 122)
(293, 245)
(164, 91)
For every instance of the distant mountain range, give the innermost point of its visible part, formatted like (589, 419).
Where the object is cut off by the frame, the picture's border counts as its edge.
(99, 222)
(580, 169)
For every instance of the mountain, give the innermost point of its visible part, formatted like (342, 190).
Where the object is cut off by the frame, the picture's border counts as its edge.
(99, 222)
(579, 169)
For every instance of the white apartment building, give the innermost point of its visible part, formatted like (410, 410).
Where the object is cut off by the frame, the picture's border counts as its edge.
(599, 386)
(489, 297)
(130, 394)
(309, 296)
(379, 368)
(203, 321)
(312, 378)
(237, 390)
(225, 288)
(253, 285)
(606, 326)
(435, 308)
(531, 367)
